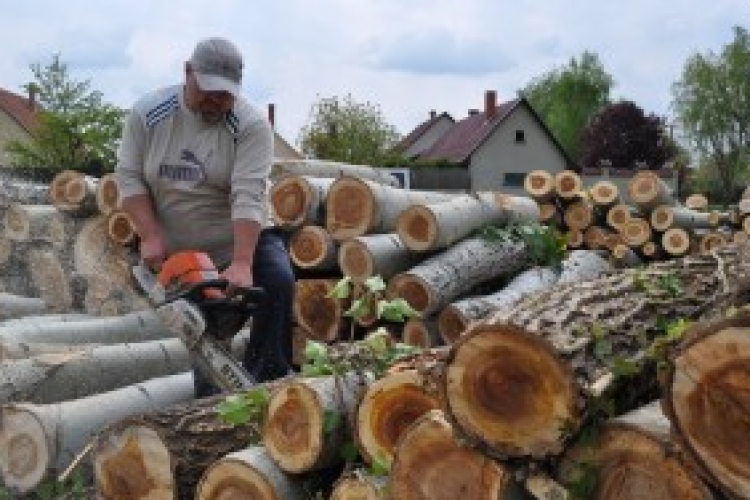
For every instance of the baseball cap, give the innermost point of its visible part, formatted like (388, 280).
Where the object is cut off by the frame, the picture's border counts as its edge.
(217, 65)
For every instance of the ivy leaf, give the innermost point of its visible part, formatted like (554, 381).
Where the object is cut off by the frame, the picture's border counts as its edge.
(375, 284)
(342, 289)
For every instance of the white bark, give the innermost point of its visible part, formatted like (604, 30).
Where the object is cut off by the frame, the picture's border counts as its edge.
(383, 255)
(330, 169)
(37, 440)
(17, 306)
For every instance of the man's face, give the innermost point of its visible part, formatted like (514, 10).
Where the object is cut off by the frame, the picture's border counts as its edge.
(212, 106)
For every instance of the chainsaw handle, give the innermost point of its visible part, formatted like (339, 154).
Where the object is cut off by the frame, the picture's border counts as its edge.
(242, 297)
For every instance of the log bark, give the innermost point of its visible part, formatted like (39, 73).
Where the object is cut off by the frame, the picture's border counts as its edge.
(625, 257)
(388, 407)
(107, 195)
(312, 248)
(633, 457)
(34, 223)
(316, 311)
(647, 191)
(431, 285)
(50, 279)
(10, 351)
(439, 225)
(705, 398)
(330, 169)
(17, 306)
(55, 377)
(38, 440)
(383, 255)
(540, 185)
(663, 217)
(133, 327)
(164, 454)
(430, 462)
(299, 200)
(252, 474)
(513, 378)
(294, 432)
(355, 207)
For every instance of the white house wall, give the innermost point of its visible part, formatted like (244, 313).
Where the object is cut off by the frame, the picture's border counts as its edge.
(500, 154)
(9, 130)
(430, 137)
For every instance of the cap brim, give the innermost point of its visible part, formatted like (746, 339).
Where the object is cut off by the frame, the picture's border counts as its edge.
(215, 83)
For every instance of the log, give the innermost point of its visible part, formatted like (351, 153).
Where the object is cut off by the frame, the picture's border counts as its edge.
(250, 473)
(579, 215)
(74, 193)
(540, 185)
(431, 462)
(710, 241)
(34, 223)
(10, 351)
(17, 306)
(432, 284)
(50, 279)
(705, 398)
(295, 433)
(164, 454)
(696, 201)
(61, 376)
(636, 231)
(107, 194)
(383, 255)
(299, 200)
(663, 217)
(550, 215)
(619, 215)
(133, 327)
(633, 457)
(568, 185)
(312, 248)
(647, 191)
(625, 257)
(423, 333)
(121, 228)
(605, 194)
(330, 169)
(359, 484)
(652, 251)
(388, 407)
(39, 440)
(355, 207)
(510, 379)
(439, 225)
(315, 310)
(677, 241)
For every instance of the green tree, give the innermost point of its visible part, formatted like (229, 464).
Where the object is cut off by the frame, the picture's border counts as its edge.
(348, 131)
(712, 103)
(567, 97)
(78, 129)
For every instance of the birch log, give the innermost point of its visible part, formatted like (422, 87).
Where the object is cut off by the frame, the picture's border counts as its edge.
(605, 194)
(121, 228)
(619, 215)
(422, 333)
(17, 306)
(388, 407)
(383, 255)
(432, 284)
(330, 169)
(34, 223)
(250, 474)
(647, 191)
(295, 433)
(664, 216)
(439, 225)
(36, 440)
(107, 194)
(540, 185)
(355, 207)
(56, 377)
(705, 398)
(320, 314)
(510, 380)
(633, 457)
(677, 241)
(568, 185)
(74, 193)
(431, 462)
(51, 279)
(312, 248)
(299, 200)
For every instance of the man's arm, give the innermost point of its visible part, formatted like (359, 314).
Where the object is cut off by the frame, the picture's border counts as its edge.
(140, 208)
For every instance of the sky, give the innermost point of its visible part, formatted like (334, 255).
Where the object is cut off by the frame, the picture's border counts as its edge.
(407, 57)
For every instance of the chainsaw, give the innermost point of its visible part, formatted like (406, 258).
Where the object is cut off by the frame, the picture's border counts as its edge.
(190, 299)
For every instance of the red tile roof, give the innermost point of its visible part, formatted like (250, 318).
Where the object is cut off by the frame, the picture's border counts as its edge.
(20, 109)
(423, 127)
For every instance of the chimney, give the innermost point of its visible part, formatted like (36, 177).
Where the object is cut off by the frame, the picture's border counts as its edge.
(490, 104)
(433, 114)
(473, 111)
(32, 96)
(272, 115)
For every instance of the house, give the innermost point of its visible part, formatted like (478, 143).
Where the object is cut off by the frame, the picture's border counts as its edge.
(282, 150)
(497, 146)
(18, 121)
(426, 134)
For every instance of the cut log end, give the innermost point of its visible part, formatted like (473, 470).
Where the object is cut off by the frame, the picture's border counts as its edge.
(133, 463)
(25, 454)
(644, 187)
(349, 208)
(389, 407)
(355, 260)
(107, 194)
(231, 479)
(604, 193)
(308, 246)
(430, 463)
(451, 324)
(417, 333)
(618, 215)
(539, 184)
(696, 202)
(509, 389)
(293, 432)
(290, 198)
(579, 215)
(662, 218)
(417, 228)
(315, 311)
(120, 228)
(676, 241)
(413, 290)
(568, 184)
(353, 488)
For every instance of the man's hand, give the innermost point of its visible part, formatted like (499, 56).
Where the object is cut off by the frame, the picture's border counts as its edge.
(238, 275)
(153, 251)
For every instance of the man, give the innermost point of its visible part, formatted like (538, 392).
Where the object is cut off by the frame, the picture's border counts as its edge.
(193, 172)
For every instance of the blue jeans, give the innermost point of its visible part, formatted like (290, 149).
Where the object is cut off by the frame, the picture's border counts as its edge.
(268, 355)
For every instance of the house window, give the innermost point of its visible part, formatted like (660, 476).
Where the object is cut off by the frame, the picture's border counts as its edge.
(513, 179)
(520, 136)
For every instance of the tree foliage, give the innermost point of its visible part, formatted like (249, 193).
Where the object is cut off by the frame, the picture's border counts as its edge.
(567, 97)
(622, 136)
(77, 128)
(712, 103)
(348, 131)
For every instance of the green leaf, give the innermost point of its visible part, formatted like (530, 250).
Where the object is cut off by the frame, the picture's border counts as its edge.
(342, 289)
(623, 367)
(397, 310)
(375, 284)
(378, 340)
(381, 466)
(358, 309)
(233, 410)
(315, 351)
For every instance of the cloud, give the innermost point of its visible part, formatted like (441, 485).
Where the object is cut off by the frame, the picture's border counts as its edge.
(439, 52)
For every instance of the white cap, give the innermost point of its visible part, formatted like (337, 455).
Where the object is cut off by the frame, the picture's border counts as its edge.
(217, 65)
